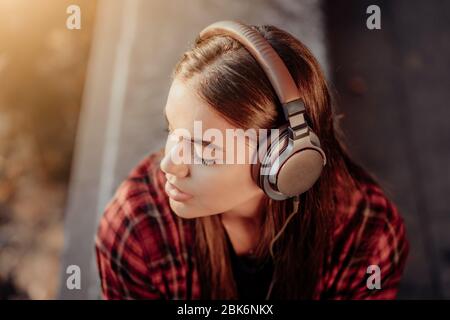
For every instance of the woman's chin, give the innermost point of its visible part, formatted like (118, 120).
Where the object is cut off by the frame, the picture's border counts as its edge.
(187, 210)
(182, 209)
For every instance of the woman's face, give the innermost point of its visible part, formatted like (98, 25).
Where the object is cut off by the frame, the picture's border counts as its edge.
(210, 188)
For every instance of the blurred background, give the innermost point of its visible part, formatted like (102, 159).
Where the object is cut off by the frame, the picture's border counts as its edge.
(42, 74)
(80, 107)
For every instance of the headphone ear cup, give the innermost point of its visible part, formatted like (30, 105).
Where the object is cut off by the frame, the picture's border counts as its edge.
(299, 173)
(264, 163)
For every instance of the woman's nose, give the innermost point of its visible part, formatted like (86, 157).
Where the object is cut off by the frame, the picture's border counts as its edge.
(168, 165)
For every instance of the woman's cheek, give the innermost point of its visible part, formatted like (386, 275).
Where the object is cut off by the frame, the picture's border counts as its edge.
(233, 184)
(209, 182)
(214, 187)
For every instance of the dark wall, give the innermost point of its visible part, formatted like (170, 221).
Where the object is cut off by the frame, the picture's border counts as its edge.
(392, 86)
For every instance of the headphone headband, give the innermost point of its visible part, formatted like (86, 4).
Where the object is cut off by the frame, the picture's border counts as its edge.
(273, 66)
(293, 163)
(263, 52)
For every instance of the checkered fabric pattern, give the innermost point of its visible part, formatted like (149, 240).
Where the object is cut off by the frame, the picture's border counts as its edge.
(145, 251)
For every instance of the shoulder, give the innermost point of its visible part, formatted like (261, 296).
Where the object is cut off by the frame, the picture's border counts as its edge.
(138, 217)
(369, 231)
(369, 212)
(141, 246)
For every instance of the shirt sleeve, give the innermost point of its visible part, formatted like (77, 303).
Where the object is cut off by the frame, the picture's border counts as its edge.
(121, 260)
(373, 256)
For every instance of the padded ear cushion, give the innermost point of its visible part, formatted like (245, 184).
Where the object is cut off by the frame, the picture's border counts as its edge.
(256, 167)
(268, 157)
(299, 173)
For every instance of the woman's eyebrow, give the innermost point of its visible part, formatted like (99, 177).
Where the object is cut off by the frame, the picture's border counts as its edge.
(202, 142)
(206, 143)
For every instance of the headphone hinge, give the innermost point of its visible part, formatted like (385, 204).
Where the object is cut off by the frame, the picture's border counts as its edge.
(294, 112)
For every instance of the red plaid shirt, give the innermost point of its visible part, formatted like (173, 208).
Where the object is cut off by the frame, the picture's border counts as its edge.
(144, 250)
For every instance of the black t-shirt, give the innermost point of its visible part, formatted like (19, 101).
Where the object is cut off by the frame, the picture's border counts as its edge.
(252, 277)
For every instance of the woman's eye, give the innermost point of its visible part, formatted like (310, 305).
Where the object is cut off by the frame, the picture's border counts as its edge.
(198, 154)
(208, 162)
(205, 162)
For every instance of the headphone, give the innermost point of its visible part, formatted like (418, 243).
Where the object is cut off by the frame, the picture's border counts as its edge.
(293, 162)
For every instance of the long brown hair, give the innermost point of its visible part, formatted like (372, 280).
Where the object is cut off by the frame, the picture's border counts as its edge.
(228, 78)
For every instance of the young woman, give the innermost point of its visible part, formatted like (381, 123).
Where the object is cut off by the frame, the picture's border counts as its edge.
(205, 229)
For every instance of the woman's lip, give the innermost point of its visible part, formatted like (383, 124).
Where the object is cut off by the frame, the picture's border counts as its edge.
(175, 193)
